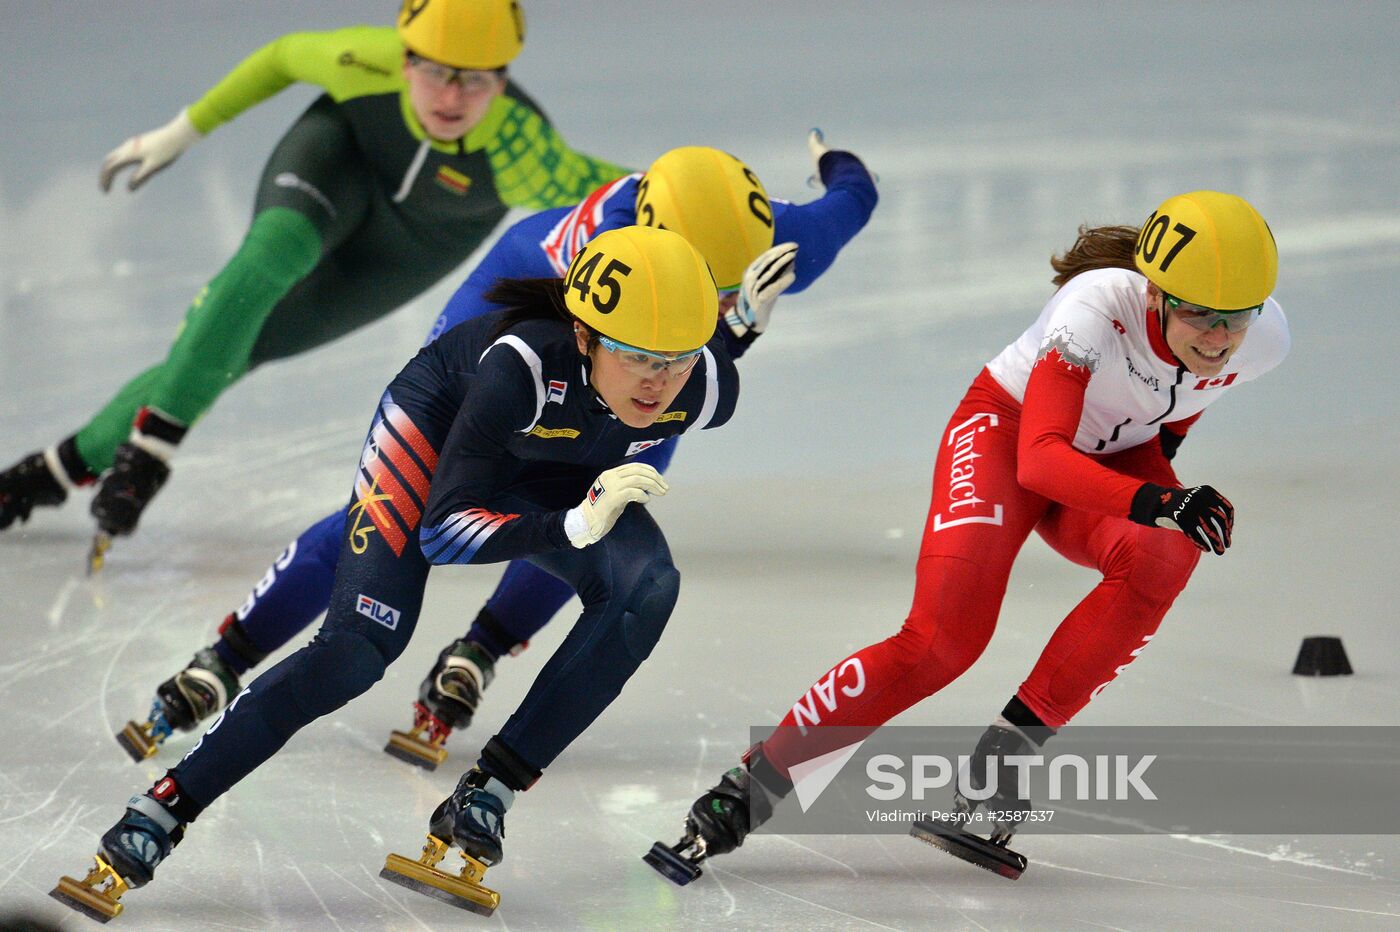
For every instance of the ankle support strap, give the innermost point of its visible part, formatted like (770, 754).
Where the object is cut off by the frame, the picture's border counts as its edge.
(501, 762)
(157, 433)
(1017, 713)
(67, 464)
(232, 633)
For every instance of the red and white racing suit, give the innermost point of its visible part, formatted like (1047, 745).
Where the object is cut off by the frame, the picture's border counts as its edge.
(1056, 434)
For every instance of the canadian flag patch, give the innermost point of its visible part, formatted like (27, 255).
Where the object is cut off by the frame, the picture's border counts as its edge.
(1217, 382)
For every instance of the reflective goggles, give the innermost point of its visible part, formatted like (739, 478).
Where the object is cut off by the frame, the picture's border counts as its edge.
(646, 364)
(469, 80)
(1204, 318)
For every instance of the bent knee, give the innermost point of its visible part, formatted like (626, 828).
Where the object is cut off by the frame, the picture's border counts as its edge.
(649, 607)
(1155, 561)
(341, 665)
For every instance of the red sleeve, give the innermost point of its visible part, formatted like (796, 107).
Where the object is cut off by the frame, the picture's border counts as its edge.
(1046, 461)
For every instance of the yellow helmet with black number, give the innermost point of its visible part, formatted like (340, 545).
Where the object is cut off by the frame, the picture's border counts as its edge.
(478, 34)
(1209, 249)
(715, 201)
(645, 287)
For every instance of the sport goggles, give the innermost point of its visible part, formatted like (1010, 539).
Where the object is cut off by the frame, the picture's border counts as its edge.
(469, 80)
(1204, 318)
(646, 364)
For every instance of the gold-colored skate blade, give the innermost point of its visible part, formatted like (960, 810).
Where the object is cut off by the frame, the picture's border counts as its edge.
(971, 848)
(462, 890)
(97, 556)
(408, 747)
(137, 741)
(86, 897)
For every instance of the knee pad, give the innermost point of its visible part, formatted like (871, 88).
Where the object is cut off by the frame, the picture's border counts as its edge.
(341, 665)
(282, 245)
(649, 607)
(1159, 564)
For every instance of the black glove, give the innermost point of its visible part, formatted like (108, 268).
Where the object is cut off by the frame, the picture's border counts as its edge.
(1201, 513)
(1170, 441)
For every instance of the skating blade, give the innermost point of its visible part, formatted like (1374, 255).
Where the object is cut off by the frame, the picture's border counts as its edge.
(90, 899)
(411, 749)
(97, 556)
(666, 862)
(137, 741)
(998, 859)
(463, 890)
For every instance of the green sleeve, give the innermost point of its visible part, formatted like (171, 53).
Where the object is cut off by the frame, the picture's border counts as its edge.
(533, 165)
(347, 63)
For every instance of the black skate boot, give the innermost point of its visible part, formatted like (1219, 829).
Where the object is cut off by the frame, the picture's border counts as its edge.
(719, 821)
(140, 467)
(447, 699)
(998, 742)
(126, 859)
(40, 480)
(189, 697)
(473, 819)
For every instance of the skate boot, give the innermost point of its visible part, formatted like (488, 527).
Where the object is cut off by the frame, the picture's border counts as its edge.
(998, 742)
(139, 468)
(447, 699)
(30, 483)
(720, 820)
(473, 819)
(126, 859)
(182, 702)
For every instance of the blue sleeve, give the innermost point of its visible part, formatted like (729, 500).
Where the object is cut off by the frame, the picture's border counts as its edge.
(823, 226)
(517, 254)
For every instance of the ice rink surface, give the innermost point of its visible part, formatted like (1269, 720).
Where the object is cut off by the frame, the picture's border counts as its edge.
(996, 129)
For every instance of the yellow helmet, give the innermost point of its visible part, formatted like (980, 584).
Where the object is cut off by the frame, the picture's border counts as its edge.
(478, 34)
(1209, 249)
(715, 201)
(644, 287)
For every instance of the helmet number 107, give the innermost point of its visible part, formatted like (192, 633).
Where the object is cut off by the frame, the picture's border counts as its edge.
(1150, 240)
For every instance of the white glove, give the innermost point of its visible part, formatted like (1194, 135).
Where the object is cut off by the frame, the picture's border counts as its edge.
(149, 152)
(609, 494)
(766, 277)
(816, 144)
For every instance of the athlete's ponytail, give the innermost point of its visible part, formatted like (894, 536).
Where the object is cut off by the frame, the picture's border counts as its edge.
(528, 299)
(1096, 248)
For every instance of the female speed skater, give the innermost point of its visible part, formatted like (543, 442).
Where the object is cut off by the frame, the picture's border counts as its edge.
(511, 436)
(395, 175)
(711, 198)
(1068, 432)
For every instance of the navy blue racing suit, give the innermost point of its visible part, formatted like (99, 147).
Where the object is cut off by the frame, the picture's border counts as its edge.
(479, 447)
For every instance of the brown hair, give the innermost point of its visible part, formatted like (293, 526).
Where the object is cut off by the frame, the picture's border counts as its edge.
(1096, 248)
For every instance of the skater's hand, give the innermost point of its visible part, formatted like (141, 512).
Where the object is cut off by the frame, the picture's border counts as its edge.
(816, 144)
(610, 493)
(1204, 515)
(768, 276)
(149, 152)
